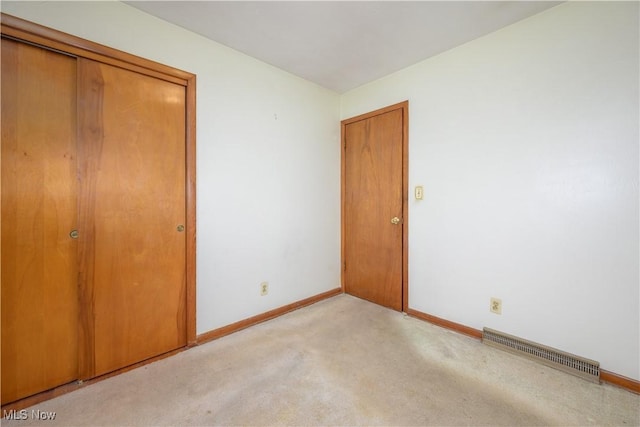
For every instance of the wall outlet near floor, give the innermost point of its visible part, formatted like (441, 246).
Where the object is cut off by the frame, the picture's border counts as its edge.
(495, 306)
(264, 288)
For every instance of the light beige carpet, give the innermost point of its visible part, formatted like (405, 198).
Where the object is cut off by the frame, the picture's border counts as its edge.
(343, 361)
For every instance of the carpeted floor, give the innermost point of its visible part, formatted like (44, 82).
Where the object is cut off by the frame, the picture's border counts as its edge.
(343, 361)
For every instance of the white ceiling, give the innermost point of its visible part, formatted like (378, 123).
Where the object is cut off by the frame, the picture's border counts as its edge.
(342, 44)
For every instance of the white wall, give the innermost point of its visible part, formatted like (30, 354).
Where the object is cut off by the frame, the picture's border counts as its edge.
(268, 161)
(526, 142)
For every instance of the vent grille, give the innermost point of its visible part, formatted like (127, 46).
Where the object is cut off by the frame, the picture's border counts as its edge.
(584, 368)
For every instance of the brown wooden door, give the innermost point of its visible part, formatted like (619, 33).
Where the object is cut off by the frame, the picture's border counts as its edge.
(106, 150)
(132, 130)
(373, 197)
(39, 209)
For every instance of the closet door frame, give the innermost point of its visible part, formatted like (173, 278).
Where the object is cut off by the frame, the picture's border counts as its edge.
(28, 32)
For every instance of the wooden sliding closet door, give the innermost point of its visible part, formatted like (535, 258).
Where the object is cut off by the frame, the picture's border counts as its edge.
(39, 210)
(132, 205)
(98, 209)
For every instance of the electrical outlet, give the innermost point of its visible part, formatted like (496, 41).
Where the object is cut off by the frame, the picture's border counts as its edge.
(495, 306)
(264, 288)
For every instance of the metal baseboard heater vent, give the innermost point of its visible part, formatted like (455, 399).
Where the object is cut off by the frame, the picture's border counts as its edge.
(584, 368)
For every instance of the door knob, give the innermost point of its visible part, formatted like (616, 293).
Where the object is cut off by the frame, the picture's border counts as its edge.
(180, 228)
(395, 220)
(73, 234)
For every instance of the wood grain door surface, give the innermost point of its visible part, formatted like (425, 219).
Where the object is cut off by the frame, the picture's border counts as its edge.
(132, 202)
(100, 149)
(373, 245)
(39, 209)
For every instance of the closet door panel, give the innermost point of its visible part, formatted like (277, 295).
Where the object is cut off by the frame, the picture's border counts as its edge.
(39, 209)
(132, 130)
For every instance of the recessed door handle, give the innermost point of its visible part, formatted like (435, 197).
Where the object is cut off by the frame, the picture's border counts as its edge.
(73, 234)
(395, 220)
(180, 228)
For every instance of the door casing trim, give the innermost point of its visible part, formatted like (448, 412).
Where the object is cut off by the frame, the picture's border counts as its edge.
(404, 106)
